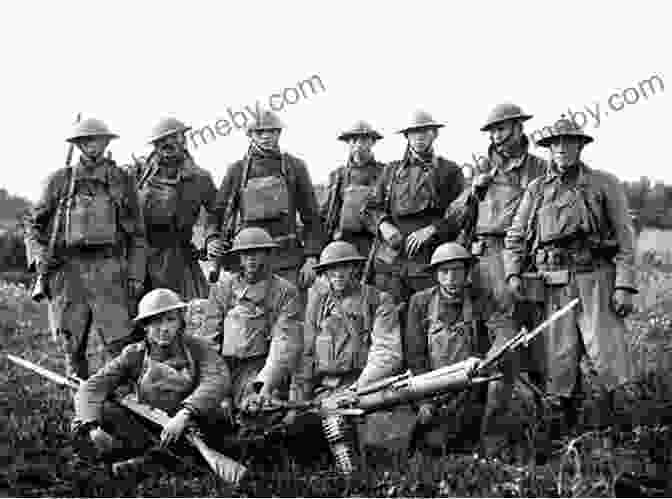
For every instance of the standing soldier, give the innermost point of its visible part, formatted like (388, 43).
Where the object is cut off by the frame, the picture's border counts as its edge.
(405, 210)
(254, 322)
(171, 190)
(349, 187)
(87, 236)
(266, 189)
(573, 227)
(484, 213)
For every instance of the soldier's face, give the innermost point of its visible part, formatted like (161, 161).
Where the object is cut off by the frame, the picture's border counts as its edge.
(340, 276)
(162, 329)
(452, 277)
(507, 131)
(361, 147)
(93, 147)
(253, 263)
(266, 139)
(421, 140)
(171, 146)
(566, 151)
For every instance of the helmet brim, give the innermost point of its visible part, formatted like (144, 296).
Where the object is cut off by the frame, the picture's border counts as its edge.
(420, 127)
(168, 134)
(178, 306)
(431, 267)
(547, 141)
(250, 247)
(515, 117)
(346, 136)
(74, 139)
(355, 260)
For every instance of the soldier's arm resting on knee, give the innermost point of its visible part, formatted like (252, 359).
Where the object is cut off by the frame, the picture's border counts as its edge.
(385, 354)
(93, 392)
(214, 379)
(286, 342)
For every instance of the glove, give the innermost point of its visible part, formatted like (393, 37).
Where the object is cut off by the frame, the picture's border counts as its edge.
(516, 287)
(621, 302)
(425, 413)
(307, 274)
(135, 289)
(390, 234)
(417, 239)
(102, 441)
(175, 427)
(216, 248)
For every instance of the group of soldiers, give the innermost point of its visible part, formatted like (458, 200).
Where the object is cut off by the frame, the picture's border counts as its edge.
(403, 266)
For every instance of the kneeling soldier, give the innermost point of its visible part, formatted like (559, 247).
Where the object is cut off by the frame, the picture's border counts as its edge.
(171, 370)
(445, 327)
(352, 333)
(254, 322)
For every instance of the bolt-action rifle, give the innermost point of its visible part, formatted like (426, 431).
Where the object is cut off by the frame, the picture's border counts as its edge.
(224, 467)
(41, 286)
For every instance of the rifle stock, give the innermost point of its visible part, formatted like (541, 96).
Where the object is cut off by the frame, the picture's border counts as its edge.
(224, 467)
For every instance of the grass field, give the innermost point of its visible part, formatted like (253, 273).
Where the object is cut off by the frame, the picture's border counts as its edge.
(36, 455)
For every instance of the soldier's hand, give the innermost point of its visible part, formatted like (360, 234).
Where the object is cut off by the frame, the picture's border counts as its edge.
(621, 302)
(481, 183)
(417, 239)
(226, 408)
(102, 441)
(425, 413)
(516, 287)
(390, 234)
(290, 417)
(216, 248)
(175, 427)
(307, 274)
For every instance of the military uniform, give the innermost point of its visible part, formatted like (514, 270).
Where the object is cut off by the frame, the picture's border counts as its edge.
(509, 176)
(267, 189)
(349, 186)
(411, 194)
(257, 328)
(441, 332)
(99, 247)
(575, 229)
(171, 197)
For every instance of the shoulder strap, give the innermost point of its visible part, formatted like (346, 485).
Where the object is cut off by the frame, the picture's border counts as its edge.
(287, 170)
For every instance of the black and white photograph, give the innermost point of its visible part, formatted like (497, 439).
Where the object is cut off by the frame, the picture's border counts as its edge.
(350, 249)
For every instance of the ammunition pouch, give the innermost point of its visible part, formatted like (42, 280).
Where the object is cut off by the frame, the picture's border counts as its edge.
(578, 257)
(264, 198)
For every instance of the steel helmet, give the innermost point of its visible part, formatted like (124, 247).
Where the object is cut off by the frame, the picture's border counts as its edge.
(360, 128)
(421, 119)
(165, 127)
(158, 301)
(504, 112)
(266, 120)
(90, 127)
(450, 252)
(564, 127)
(338, 252)
(252, 238)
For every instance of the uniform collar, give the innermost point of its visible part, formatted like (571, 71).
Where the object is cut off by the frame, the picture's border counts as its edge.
(552, 173)
(512, 162)
(86, 169)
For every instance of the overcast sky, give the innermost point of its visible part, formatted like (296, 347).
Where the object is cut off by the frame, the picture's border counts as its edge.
(130, 63)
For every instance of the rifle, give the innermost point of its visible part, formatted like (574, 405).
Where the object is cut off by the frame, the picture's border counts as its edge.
(367, 272)
(231, 217)
(41, 286)
(332, 211)
(224, 467)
